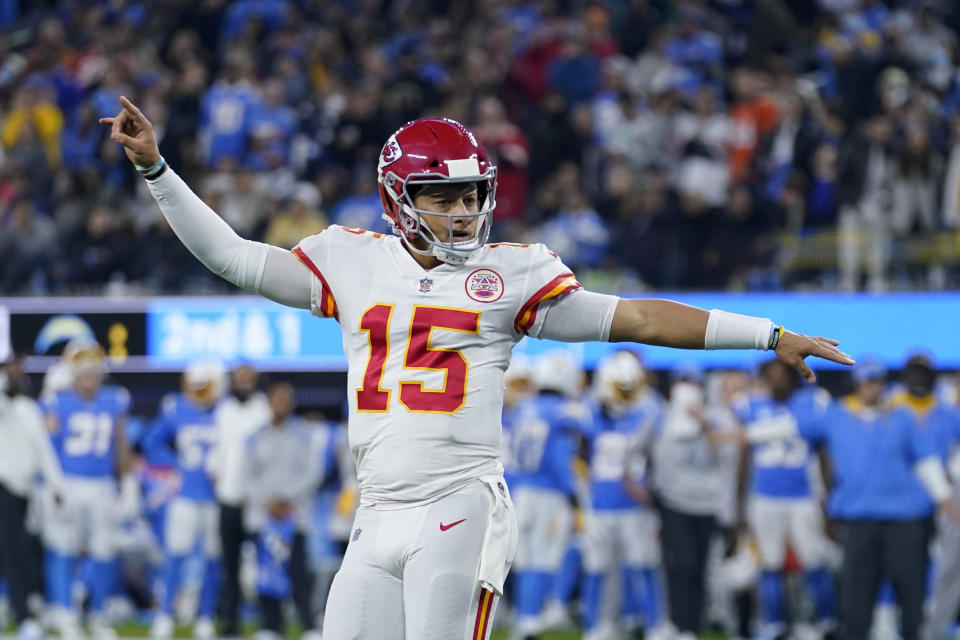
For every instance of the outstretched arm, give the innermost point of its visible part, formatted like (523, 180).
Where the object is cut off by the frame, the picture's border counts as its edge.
(671, 324)
(270, 271)
(582, 316)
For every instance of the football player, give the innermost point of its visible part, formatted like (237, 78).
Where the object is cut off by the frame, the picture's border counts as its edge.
(622, 534)
(87, 423)
(783, 508)
(544, 435)
(429, 318)
(182, 438)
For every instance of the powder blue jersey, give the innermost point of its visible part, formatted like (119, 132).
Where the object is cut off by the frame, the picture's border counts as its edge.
(225, 120)
(541, 436)
(86, 434)
(614, 451)
(780, 469)
(182, 437)
(943, 421)
(940, 419)
(872, 454)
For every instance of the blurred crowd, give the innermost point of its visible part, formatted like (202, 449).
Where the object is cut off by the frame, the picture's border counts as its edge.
(741, 501)
(651, 143)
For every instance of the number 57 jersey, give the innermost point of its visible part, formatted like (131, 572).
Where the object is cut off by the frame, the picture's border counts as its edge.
(426, 352)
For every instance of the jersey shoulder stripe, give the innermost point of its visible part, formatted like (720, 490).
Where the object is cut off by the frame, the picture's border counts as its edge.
(328, 305)
(334, 245)
(561, 285)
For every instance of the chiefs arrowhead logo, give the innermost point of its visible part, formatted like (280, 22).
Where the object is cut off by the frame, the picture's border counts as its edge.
(391, 152)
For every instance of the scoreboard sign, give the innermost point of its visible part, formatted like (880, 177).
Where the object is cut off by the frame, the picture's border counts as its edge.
(162, 334)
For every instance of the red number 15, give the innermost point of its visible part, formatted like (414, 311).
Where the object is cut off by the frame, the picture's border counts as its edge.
(419, 355)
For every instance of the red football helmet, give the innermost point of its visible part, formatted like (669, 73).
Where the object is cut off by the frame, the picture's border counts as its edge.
(435, 151)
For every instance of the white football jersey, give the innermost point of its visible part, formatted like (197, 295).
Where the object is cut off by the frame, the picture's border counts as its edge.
(426, 351)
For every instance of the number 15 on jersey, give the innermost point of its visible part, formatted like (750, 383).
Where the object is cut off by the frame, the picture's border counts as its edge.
(375, 322)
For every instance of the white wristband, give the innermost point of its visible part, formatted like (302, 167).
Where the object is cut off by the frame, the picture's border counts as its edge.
(727, 330)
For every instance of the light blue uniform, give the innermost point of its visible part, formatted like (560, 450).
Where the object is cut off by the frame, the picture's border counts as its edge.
(620, 531)
(87, 519)
(783, 508)
(541, 437)
(183, 437)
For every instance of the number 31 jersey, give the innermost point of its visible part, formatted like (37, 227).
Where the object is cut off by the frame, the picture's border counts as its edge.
(86, 429)
(426, 353)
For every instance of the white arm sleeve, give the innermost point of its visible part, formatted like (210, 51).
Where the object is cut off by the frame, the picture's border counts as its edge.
(930, 472)
(261, 268)
(579, 316)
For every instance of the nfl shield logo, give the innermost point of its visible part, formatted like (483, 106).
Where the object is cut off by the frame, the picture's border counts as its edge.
(356, 534)
(503, 492)
(425, 285)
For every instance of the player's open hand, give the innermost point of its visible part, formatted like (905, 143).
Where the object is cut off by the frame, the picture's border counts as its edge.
(794, 347)
(132, 129)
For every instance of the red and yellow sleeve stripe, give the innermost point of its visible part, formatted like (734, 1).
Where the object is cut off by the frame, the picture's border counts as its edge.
(328, 306)
(484, 608)
(562, 284)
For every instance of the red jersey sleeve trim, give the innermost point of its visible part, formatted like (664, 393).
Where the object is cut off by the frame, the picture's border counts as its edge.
(562, 284)
(328, 306)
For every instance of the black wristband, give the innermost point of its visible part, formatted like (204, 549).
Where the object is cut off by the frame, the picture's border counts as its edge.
(155, 171)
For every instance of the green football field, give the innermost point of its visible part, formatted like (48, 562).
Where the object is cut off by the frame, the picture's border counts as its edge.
(137, 631)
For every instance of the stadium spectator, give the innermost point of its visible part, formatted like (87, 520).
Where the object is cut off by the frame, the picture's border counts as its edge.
(706, 97)
(950, 195)
(866, 172)
(509, 148)
(300, 219)
(34, 118)
(241, 195)
(25, 246)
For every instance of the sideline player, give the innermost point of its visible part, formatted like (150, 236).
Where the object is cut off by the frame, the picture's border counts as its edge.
(429, 320)
(544, 435)
(87, 423)
(782, 507)
(622, 532)
(183, 438)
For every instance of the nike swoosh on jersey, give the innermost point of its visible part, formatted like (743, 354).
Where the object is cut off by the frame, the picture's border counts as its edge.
(444, 527)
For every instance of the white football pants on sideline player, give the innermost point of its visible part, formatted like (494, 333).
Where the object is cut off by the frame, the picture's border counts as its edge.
(621, 538)
(777, 521)
(189, 521)
(87, 519)
(544, 520)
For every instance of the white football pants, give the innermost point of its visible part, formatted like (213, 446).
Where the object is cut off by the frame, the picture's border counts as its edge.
(413, 574)
(87, 519)
(799, 521)
(189, 521)
(627, 537)
(545, 521)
